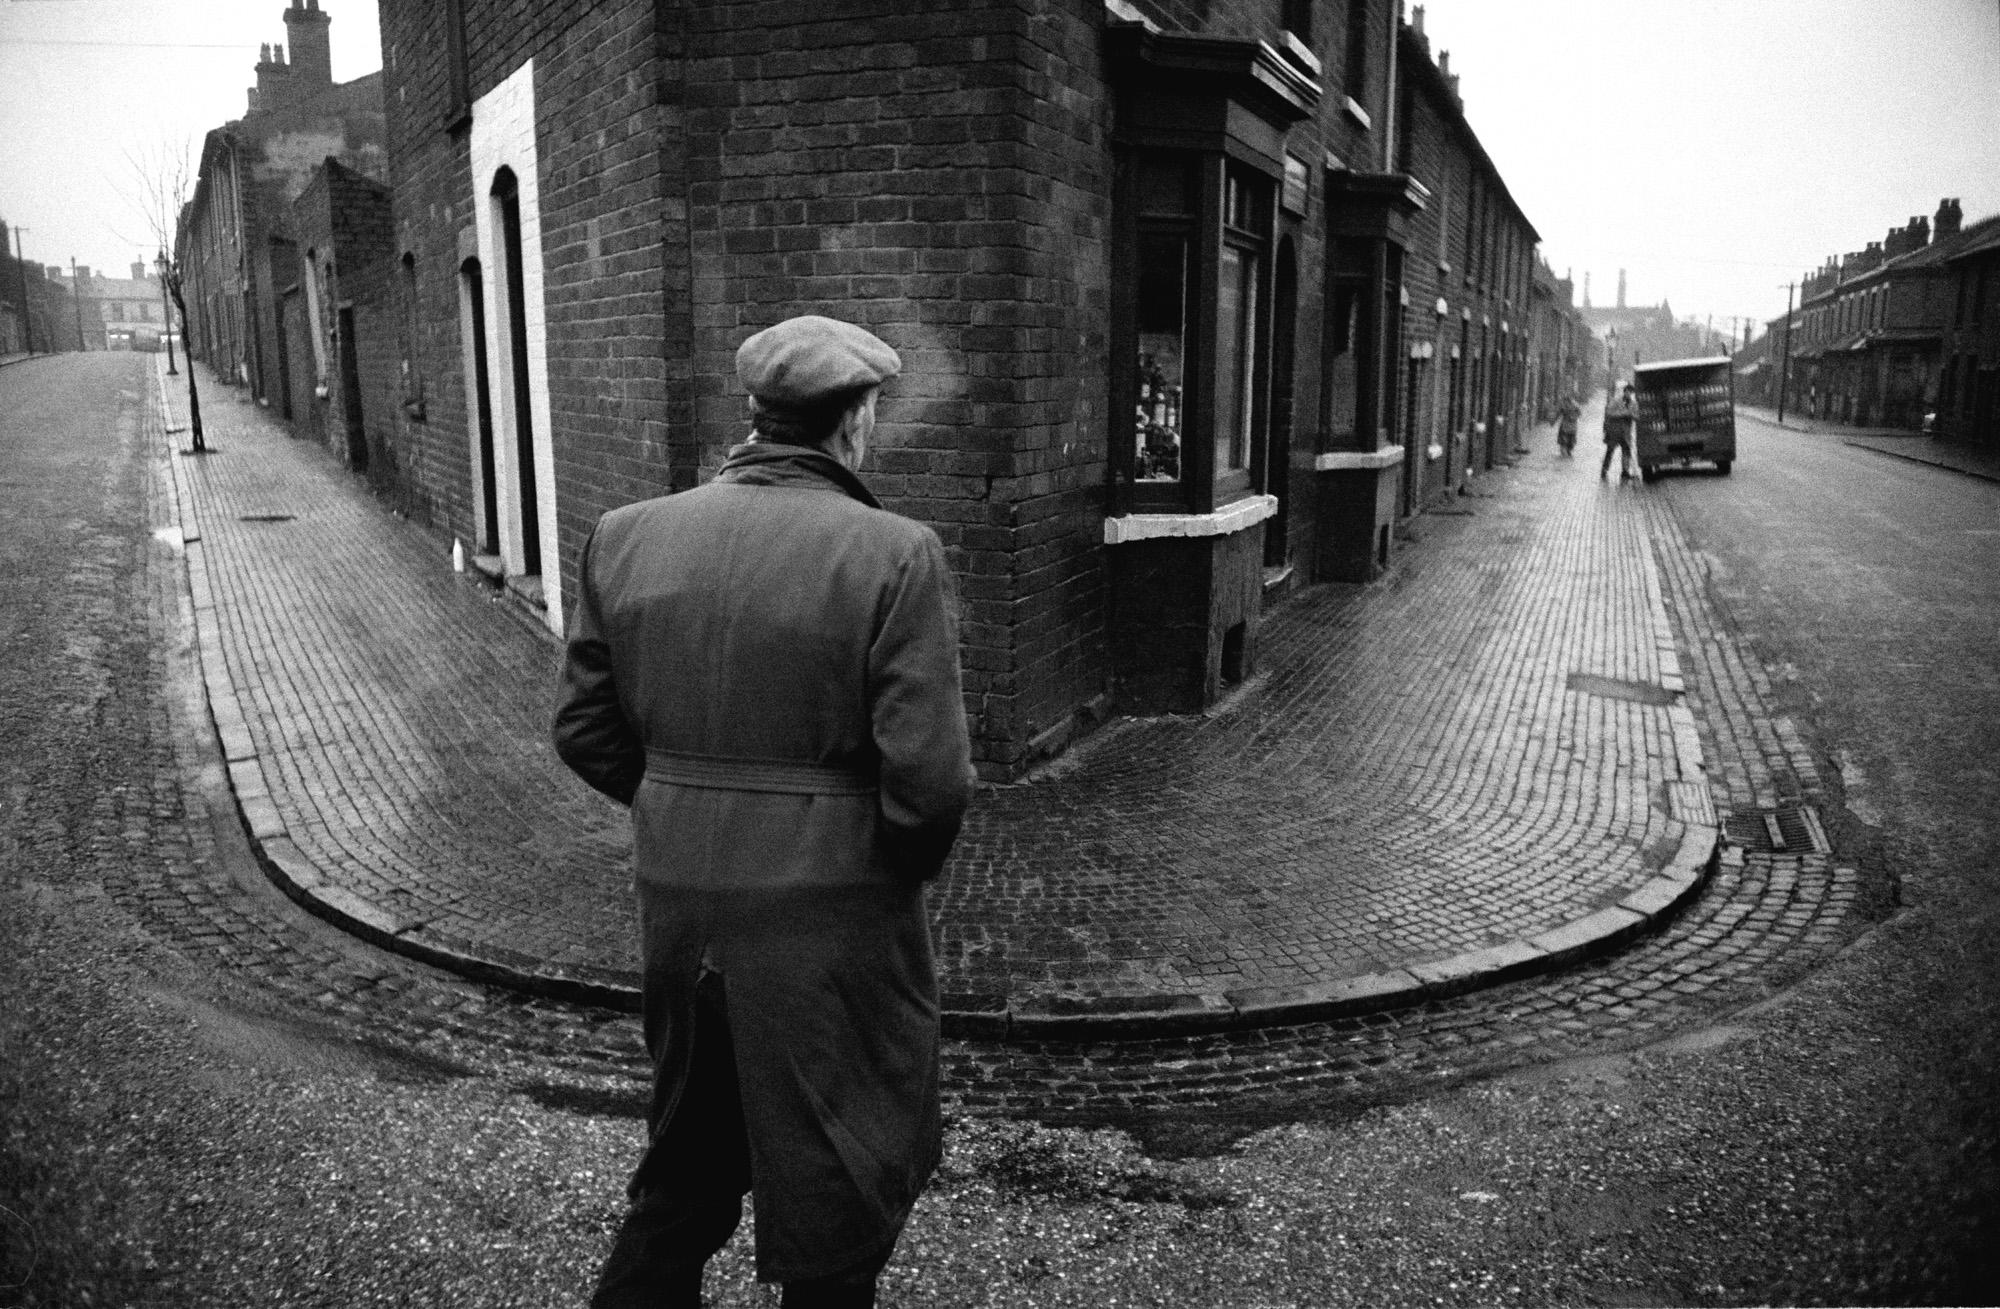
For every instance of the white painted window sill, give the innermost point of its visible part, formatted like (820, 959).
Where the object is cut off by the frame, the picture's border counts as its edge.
(1339, 461)
(1226, 521)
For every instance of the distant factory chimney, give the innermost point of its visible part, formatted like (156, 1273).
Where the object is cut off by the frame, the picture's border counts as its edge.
(1621, 288)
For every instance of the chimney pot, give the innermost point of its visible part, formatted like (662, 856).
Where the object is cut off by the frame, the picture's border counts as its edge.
(264, 53)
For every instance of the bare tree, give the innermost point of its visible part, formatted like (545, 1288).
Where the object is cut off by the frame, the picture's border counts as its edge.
(163, 180)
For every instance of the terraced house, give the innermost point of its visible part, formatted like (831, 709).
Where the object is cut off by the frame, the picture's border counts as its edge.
(1196, 302)
(235, 240)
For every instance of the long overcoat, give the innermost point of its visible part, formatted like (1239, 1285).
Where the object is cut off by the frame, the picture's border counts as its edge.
(766, 669)
(1621, 415)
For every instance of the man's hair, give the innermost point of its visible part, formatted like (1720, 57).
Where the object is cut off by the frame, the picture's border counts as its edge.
(810, 426)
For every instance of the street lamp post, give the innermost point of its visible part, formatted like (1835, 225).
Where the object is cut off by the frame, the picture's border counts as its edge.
(166, 311)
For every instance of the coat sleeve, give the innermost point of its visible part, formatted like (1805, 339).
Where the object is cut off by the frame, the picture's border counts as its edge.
(591, 731)
(918, 715)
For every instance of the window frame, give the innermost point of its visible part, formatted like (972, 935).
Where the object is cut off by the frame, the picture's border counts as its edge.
(1209, 476)
(1220, 106)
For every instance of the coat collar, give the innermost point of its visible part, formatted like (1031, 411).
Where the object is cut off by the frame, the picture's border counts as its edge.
(767, 463)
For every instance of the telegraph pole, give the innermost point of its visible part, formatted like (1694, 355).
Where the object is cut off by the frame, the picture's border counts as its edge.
(1785, 370)
(76, 302)
(27, 314)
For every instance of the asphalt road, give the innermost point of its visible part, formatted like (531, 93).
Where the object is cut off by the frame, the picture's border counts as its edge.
(231, 1105)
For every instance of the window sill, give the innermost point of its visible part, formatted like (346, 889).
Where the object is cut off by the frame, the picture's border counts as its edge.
(1342, 461)
(1356, 112)
(1302, 54)
(1226, 521)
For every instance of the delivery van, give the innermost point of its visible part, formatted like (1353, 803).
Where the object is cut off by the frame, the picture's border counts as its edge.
(1687, 414)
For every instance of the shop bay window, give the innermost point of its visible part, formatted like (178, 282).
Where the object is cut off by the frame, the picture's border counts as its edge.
(1196, 367)
(1201, 153)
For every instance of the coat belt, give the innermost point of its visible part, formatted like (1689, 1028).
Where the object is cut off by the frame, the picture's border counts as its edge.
(735, 773)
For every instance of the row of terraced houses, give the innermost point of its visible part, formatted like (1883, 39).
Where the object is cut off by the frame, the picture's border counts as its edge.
(1198, 303)
(1904, 332)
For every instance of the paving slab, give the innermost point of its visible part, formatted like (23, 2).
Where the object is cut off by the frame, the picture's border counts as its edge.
(1475, 768)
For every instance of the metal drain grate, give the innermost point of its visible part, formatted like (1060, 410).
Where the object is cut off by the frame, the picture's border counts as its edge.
(1778, 831)
(264, 518)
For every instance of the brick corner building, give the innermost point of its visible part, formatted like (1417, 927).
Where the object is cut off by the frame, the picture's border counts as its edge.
(1195, 302)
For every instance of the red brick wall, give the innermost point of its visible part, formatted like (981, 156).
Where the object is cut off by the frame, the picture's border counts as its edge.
(942, 179)
(608, 235)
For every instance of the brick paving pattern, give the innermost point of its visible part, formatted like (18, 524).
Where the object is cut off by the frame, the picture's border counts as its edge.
(1452, 774)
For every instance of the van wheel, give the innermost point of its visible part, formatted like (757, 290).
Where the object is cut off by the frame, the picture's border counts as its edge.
(1722, 466)
(1646, 473)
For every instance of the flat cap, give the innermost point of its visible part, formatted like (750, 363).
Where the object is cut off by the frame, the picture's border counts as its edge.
(805, 361)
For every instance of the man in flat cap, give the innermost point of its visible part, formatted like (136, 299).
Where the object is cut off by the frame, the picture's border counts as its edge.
(765, 669)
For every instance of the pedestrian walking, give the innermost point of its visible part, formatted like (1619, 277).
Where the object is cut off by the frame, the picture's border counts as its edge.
(765, 668)
(1566, 418)
(1621, 415)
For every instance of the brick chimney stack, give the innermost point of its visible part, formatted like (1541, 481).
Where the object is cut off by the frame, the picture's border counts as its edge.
(138, 272)
(1949, 216)
(274, 78)
(1911, 236)
(312, 51)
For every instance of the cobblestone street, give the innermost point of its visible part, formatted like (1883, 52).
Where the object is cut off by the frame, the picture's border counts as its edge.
(1477, 770)
(1731, 1107)
(1346, 748)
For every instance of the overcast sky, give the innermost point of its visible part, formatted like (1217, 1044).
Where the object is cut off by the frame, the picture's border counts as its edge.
(1716, 149)
(85, 83)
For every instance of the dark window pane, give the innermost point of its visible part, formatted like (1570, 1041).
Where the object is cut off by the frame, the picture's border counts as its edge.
(1163, 259)
(1236, 356)
(1164, 187)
